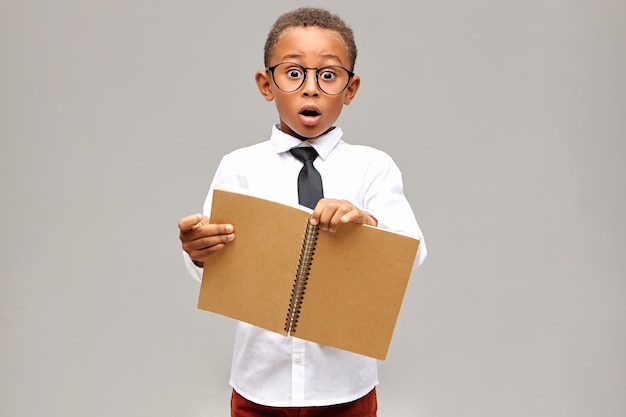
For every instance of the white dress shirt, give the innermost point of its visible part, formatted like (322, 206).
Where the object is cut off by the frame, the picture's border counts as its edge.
(279, 371)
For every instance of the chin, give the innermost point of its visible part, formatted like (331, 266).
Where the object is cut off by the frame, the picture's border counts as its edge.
(311, 133)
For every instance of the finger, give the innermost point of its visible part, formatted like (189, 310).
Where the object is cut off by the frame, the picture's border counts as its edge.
(343, 212)
(352, 216)
(204, 230)
(331, 213)
(317, 210)
(323, 208)
(188, 223)
(211, 229)
(320, 215)
(202, 247)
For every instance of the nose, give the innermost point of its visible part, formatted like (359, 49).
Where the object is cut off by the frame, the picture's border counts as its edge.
(310, 87)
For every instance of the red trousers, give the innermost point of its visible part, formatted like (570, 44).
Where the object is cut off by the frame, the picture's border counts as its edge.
(363, 407)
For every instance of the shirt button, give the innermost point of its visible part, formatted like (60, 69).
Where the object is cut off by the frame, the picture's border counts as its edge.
(297, 358)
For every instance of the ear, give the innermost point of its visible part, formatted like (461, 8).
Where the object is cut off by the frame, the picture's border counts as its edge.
(351, 90)
(264, 83)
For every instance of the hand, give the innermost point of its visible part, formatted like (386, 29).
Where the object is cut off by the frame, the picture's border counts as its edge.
(330, 214)
(200, 238)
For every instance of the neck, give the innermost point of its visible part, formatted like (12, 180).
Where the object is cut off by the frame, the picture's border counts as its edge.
(297, 136)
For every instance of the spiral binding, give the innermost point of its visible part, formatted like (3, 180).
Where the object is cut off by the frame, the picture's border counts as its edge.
(302, 275)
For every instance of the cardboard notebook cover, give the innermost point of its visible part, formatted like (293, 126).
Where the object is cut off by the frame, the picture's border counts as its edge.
(355, 286)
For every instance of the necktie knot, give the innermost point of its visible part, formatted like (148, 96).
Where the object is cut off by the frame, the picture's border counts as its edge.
(304, 153)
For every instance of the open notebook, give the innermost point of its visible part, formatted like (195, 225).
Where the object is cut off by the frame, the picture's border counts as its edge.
(341, 289)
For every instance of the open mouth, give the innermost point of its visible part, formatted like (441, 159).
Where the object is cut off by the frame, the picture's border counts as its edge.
(310, 113)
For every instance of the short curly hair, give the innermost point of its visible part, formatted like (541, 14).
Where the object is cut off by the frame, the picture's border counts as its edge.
(311, 16)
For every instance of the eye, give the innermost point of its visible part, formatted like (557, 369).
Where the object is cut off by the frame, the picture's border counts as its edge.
(294, 73)
(327, 74)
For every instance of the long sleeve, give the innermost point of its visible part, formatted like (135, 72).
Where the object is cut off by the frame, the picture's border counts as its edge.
(385, 199)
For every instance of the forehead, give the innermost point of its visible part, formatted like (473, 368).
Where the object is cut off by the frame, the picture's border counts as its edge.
(308, 43)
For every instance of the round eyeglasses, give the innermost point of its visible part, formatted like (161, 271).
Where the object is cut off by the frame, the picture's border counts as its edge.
(331, 79)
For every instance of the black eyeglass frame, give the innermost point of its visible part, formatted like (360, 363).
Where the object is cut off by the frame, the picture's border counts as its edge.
(306, 72)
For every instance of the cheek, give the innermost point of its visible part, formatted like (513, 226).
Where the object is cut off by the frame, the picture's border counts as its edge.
(336, 106)
(283, 107)
(282, 101)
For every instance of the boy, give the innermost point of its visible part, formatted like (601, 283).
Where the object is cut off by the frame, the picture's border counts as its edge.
(309, 59)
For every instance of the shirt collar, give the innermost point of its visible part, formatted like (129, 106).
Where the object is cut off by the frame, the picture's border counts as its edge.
(282, 142)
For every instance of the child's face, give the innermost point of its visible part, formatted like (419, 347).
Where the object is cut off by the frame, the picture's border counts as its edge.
(308, 112)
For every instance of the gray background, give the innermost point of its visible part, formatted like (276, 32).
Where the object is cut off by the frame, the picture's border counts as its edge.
(508, 119)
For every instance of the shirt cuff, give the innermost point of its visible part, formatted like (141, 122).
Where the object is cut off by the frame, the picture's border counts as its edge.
(194, 270)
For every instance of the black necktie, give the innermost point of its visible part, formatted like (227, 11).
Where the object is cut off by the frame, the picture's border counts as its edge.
(310, 189)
